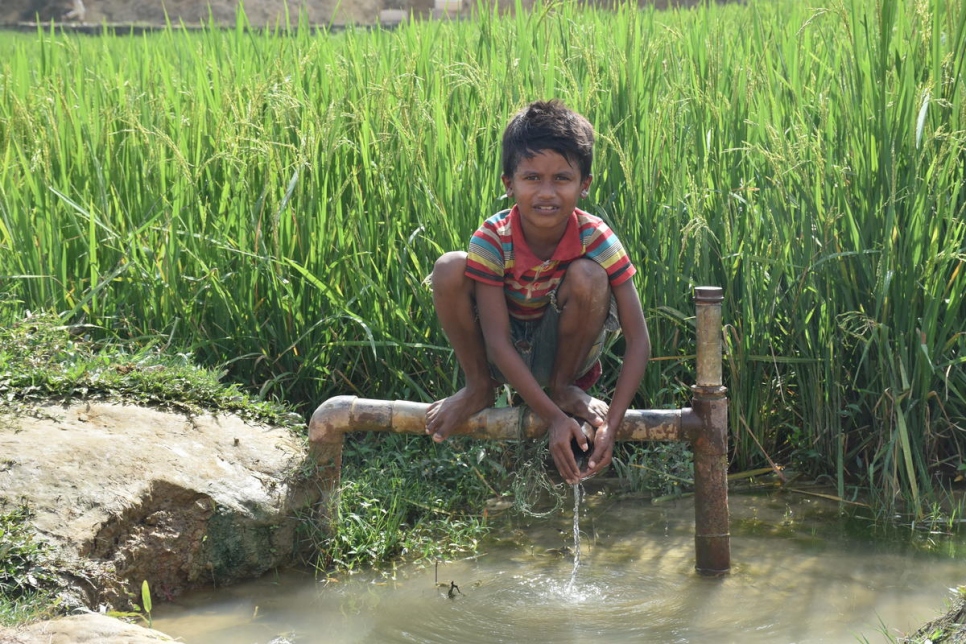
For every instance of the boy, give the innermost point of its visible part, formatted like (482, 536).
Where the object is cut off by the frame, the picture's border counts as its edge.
(531, 302)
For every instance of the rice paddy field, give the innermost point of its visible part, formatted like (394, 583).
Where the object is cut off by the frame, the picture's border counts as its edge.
(272, 202)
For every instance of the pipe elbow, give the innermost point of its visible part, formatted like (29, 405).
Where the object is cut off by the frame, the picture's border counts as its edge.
(331, 420)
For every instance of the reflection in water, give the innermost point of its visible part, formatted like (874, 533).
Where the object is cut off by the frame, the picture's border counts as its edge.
(798, 576)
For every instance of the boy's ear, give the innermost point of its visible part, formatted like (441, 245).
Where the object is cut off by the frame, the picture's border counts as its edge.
(506, 185)
(585, 184)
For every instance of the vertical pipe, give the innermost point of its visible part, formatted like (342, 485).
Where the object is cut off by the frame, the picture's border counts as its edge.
(712, 539)
(327, 429)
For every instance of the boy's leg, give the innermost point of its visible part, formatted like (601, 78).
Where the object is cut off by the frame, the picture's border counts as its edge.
(583, 300)
(454, 302)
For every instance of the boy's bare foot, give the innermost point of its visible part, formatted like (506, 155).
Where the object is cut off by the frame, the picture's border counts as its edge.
(449, 413)
(577, 402)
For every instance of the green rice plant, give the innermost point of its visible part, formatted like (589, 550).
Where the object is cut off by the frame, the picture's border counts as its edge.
(271, 202)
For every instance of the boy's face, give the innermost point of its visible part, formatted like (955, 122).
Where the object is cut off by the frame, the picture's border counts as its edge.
(546, 189)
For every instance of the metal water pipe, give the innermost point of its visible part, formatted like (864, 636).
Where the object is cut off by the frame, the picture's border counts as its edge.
(709, 442)
(704, 425)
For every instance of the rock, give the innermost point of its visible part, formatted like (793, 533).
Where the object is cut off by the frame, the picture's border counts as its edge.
(88, 628)
(137, 494)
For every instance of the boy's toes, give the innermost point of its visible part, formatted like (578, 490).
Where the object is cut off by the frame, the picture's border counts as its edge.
(592, 410)
(598, 408)
(431, 422)
(435, 421)
(441, 420)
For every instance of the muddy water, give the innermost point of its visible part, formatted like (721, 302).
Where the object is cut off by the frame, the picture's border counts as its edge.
(801, 573)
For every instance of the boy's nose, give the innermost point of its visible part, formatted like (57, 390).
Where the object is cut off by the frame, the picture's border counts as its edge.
(546, 188)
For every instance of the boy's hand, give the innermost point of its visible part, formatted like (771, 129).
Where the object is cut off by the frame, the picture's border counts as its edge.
(560, 434)
(603, 450)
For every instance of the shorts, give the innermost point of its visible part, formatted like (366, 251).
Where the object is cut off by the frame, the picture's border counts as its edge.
(536, 343)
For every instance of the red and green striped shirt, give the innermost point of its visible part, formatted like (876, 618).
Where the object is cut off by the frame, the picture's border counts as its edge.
(498, 255)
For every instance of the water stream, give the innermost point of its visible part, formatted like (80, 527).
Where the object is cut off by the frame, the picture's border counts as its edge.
(801, 573)
(576, 550)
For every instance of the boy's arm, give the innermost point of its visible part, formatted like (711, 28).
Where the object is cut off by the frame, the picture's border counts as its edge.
(637, 352)
(495, 323)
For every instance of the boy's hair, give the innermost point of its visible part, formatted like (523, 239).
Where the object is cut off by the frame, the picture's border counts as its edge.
(548, 125)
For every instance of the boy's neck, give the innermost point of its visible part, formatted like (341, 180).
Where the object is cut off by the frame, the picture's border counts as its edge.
(543, 248)
(543, 243)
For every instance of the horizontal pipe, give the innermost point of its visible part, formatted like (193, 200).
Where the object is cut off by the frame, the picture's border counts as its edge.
(342, 414)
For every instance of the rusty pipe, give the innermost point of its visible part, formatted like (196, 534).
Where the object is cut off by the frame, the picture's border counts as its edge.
(343, 414)
(712, 538)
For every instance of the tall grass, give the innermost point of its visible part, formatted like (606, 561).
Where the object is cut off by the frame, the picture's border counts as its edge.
(272, 202)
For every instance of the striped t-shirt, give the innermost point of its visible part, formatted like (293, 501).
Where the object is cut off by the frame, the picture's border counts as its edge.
(498, 255)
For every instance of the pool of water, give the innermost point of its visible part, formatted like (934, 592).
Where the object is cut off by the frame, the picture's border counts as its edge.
(800, 573)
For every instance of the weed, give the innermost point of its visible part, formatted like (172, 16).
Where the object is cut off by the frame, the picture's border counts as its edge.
(141, 612)
(29, 576)
(405, 498)
(658, 469)
(42, 358)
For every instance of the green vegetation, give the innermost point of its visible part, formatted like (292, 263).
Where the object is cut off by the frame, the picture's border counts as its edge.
(270, 204)
(407, 499)
(661, 469)
(28, 571)
(136, 614)
(42, 359)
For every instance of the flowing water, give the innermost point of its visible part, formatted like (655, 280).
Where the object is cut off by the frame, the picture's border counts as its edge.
(800, 573)
(573, 574)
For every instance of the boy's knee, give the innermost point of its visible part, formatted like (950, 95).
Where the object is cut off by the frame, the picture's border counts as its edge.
(449, 270)
(586, 279)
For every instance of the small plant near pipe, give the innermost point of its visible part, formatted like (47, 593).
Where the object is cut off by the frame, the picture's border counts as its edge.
(404, 498)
